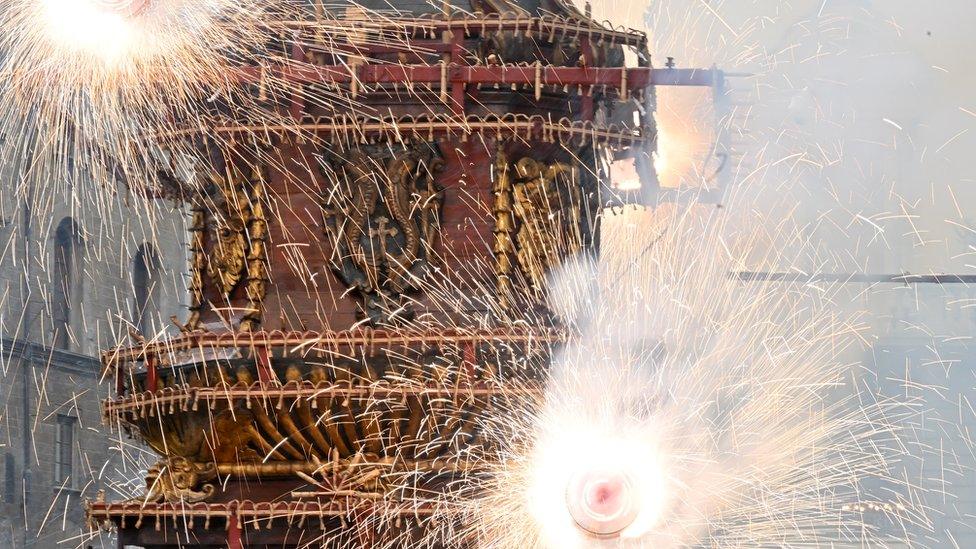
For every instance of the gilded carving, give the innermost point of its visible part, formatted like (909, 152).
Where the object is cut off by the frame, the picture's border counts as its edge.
(383, 214)
(356, 475)
(537, 208)
(198, 264)
(178, 479)
(504, 247)
(236, 232)
(257, 264)
(236, 437)
(229, 241)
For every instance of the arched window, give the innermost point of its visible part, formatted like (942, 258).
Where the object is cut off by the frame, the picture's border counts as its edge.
(64, 450)
(64, 293)
(145, 288)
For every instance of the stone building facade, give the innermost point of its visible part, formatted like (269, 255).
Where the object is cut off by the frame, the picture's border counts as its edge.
(82, 265)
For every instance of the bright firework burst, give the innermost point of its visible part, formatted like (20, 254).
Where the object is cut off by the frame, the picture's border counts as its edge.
(691, 409)
(89, 85)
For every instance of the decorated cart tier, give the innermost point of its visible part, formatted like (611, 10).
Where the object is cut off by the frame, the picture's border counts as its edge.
(274, 403)
(368, 267)
(269, 428)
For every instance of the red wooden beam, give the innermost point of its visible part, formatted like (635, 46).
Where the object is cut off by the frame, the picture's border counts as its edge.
(366, 527)
(234, 540)
(457, 87)
(371, 73)
(265, 373)
(470, 359)
(586, 102)
(297, 105)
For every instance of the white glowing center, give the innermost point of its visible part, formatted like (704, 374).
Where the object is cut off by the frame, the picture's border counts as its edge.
(122, 7)
(602, 503)
(103, 29)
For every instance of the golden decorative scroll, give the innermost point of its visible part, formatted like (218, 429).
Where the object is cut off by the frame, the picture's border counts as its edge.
(198, 264)
(384, 221)
(236, 230)
(546, 202)
(537, 221)
(504, 247)
(229, 242)
(257, 260)
(178, 479)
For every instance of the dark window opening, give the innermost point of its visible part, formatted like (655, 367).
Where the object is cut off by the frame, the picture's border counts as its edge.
(64, 445)
(66, 245)
(145, 288)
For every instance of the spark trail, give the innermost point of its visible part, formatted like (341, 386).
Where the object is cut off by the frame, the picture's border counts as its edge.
(93, 80)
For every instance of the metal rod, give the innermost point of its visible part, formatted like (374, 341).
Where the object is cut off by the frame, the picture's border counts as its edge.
(854, 278)
(634, 79)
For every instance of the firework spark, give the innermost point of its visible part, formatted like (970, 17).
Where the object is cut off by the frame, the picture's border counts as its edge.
(691, 408)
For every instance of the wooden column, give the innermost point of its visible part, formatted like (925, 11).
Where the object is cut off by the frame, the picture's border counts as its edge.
(265, 373)
(586, 91)
(120, 373)
(234, 540)
(297, 101)
(152, 376)
(457, 58)
(469, 360)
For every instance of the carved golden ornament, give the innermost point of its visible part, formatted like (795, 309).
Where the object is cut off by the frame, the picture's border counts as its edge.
(257, 259)
(178, 479)
(504, 247)
(546, 202)
(231, 219)
(198, 264)
(537, 221)
(227, 260)
(384, 220)
(235, 438)
(361, 475)
(237, 234)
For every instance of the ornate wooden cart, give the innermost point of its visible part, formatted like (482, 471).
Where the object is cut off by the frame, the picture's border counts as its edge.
(367, 274)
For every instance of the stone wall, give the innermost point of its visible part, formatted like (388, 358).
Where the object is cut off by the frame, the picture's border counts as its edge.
(64, 386)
